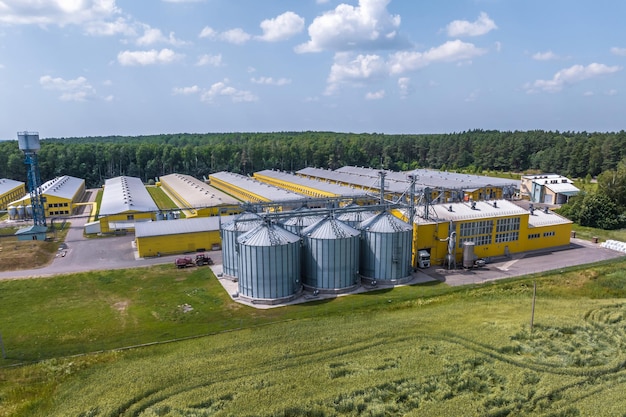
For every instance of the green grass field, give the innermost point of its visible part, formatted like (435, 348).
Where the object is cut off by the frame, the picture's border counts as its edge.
(427, 350)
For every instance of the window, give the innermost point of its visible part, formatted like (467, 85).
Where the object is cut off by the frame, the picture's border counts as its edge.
(548, 234)
(534, 236)
(130, 217)
(507, 230)
(478, 232)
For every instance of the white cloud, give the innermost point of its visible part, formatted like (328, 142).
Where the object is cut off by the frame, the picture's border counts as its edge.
(236, 36)
(185, 91)
(182, 1)
(282, 27)
(375, 95)
(472, 96)
(618, 51)
(479, 27)
(612, 92)
(451, 51)
(153, 35)
(404, 84)
(348, 69)
(366, 26)
(151, 57)
(55, 12)
(119, 26)
(569, 76)
(271, 81)
(545, 56)
(208, 32)
(77, 89)
(222, 89)
(211, 60)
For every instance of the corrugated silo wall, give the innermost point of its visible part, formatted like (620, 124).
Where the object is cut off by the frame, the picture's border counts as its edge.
(269, 272)
(331, 264)
(386, 256)
(230, 257)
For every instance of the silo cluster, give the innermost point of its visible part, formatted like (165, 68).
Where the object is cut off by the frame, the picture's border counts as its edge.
(274, 261)
(20, 212)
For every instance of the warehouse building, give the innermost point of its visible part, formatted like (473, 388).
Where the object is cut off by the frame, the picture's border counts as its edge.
(125, 203)
(439, 186)
(10, 190)
(315, 188)
(60, 196)
(491, 228)
(156, 238)
(253, 191)
(196, 198)
(548, 188)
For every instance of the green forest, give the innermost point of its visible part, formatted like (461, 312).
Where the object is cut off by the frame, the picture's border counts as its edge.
(95, 159)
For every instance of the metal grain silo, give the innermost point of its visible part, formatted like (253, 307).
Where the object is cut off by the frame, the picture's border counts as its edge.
(386, 249)
(21, 212)
(269, 264)
(243, 223)
(330, 256)
(300, 220)
(354, 218)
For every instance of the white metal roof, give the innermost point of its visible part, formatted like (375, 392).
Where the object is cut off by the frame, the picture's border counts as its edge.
(267, 235)
(7, 185)
(339, 190)
(197, 193)
(542, 218)
(563, 188)
(126, 194)
(481, 210)
(180, 226)
(385, 222)
(269, 192)
(63, 187)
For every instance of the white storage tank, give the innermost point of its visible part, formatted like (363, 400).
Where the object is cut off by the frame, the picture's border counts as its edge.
(269, 264)
(243, 223)
(386, 249)
(354, 218)
(469, 257)
(12, 212)
(330, 256)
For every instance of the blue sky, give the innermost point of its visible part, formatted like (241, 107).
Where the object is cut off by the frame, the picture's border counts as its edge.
(133, 67)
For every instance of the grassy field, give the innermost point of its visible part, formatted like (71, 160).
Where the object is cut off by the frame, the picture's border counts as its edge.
(428, 350)
(16, 255)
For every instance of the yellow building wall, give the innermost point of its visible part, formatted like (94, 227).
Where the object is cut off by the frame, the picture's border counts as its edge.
(106, 221)
(12, 195)
(433, 237)
(181, 243)
(238, 193)
(296, 188)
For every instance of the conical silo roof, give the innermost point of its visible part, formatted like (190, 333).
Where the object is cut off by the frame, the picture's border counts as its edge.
(302, 220)
(243, 222)
(385, 222)
(267, 235)
(330, 228)
(355, 217)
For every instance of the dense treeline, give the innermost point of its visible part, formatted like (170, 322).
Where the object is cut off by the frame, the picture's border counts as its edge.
(574, 154)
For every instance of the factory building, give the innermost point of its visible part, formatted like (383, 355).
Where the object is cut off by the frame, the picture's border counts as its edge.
(491, 228)
(155, 238)
(10, 190)
(436, 186)
(196, 198)
(253, 191)
(59, 196)
(315, 188)
(125, 203)
(547, 188)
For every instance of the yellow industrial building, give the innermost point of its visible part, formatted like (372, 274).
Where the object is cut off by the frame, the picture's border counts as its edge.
(125, 202)
(306, 186)
(251, 190)
(60, 196)
(177, 236)
(10, 190)
(493, 228)
(196, 198)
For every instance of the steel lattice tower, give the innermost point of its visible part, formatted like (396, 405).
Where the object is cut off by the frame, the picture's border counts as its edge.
(28, 142)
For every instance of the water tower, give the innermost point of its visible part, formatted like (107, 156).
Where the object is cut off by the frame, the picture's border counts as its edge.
(28, 143)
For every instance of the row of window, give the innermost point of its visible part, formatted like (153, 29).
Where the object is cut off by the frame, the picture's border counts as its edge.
(507, 225)
(57, 205)
(482, 227)
(57, 212)
(507, 237)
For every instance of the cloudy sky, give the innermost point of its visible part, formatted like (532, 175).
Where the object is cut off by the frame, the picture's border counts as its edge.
(133, 67)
